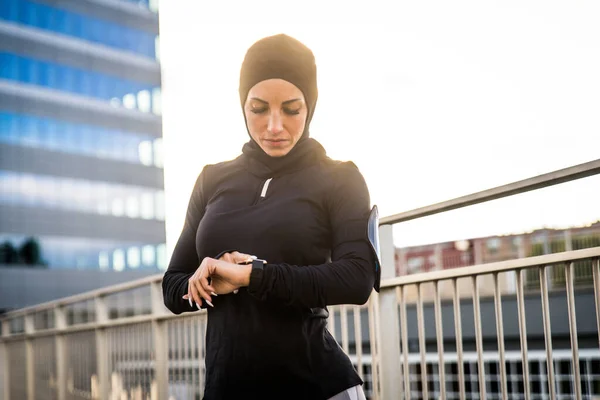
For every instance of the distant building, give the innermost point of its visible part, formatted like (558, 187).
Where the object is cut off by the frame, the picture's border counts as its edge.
(81, 164)
(440, 256)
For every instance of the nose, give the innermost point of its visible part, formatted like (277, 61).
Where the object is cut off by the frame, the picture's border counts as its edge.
(275, 125)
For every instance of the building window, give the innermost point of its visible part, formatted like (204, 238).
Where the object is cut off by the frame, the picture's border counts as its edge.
(133, 257)
(158, 153)
(144, 101)
(415, 264)
(147, 206)
(161, 256)
(133, 207)
(493, 245)
(148, 256)
(516, 243)
(160, 205)
(129, 101)
(118, 207)
(145, 152)
(118, 260)
(103, 261)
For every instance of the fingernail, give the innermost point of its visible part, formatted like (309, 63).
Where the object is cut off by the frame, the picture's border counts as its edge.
(190, 299)
(198, 305)
(235, 291)
(209, 303)
(213, 293)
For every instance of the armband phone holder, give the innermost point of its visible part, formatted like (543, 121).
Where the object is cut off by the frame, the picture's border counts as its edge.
(373, 235)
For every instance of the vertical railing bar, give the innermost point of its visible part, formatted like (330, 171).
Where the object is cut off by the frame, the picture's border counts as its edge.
(459, 339)
(439, 334)
(331, 321)
(130, 332)
(547, 330)
(184, 322)
(180, 355)
(596, 274)
(189, 353)
(201, 358)
(358, 341)
(400, 294)
(500, 335)
(344, 326)
(29, 356)
(101, 311)
(573, 328)
(119, 358)
(149, 353)
(478, 337)
(376, 372)
(136, 356)
(422, 350)
(160, 337)
(193, 347)
(523, 333)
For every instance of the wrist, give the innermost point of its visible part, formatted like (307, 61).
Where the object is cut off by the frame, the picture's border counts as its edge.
(247, 271)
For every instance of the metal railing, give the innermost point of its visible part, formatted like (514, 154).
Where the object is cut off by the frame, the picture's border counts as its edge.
(121, 342)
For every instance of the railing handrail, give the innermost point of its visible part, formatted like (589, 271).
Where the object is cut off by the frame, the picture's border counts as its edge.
(461, 272)
(545, 180)
(90, 295)
(538, 182)
(490, 268)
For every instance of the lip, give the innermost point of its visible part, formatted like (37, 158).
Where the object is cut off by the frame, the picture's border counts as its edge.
(276, 142)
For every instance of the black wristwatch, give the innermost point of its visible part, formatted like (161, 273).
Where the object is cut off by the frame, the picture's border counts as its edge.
(258, 264)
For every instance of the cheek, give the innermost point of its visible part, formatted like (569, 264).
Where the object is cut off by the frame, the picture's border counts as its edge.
(297, 126)
(254, 123)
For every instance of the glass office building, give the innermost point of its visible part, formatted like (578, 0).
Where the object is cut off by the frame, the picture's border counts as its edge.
(81, 166)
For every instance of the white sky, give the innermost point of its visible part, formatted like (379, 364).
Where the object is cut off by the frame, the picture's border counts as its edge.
(431, 99)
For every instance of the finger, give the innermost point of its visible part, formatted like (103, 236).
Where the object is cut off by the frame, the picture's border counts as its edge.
(189, 295)
(202, 292)
(195, 296)
(227, 257)
(206, 286)
(241, 257)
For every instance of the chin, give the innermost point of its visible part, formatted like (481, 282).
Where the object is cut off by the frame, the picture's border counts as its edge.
(277, 152)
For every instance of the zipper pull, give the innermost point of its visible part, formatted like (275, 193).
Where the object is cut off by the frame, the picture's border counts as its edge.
(265, 187)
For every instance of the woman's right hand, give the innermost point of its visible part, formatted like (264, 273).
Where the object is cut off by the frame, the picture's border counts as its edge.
(236, 257)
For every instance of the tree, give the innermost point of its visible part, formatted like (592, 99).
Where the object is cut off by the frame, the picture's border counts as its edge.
(8, 253)
(30, 253)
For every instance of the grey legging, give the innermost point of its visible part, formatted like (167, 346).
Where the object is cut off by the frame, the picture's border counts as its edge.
(354, 393)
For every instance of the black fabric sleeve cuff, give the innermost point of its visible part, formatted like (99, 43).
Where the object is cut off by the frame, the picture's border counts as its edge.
(257, 282)
(221, 254)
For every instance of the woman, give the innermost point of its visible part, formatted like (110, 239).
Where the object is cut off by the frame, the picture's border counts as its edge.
(284, 201)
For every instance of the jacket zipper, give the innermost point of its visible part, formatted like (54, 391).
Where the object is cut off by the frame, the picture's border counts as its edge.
(265, 188)
(263, 192)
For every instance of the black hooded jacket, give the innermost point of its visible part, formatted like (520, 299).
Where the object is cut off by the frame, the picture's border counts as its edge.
(308, 219)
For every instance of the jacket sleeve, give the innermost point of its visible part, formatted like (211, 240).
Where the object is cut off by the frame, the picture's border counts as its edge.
(349, 277)
(184, 260)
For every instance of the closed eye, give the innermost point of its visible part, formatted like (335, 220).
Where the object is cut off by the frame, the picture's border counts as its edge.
(260, 110)
(289, 111)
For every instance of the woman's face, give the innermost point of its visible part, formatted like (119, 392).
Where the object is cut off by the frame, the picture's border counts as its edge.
(276, 114)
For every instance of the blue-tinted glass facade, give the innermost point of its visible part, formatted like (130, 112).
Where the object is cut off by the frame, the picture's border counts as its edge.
(77, 81)
(78, 195)
(85, 27)
(88, 140)
(27, 185)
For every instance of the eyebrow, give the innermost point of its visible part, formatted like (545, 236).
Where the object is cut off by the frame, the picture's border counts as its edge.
(285, 102)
